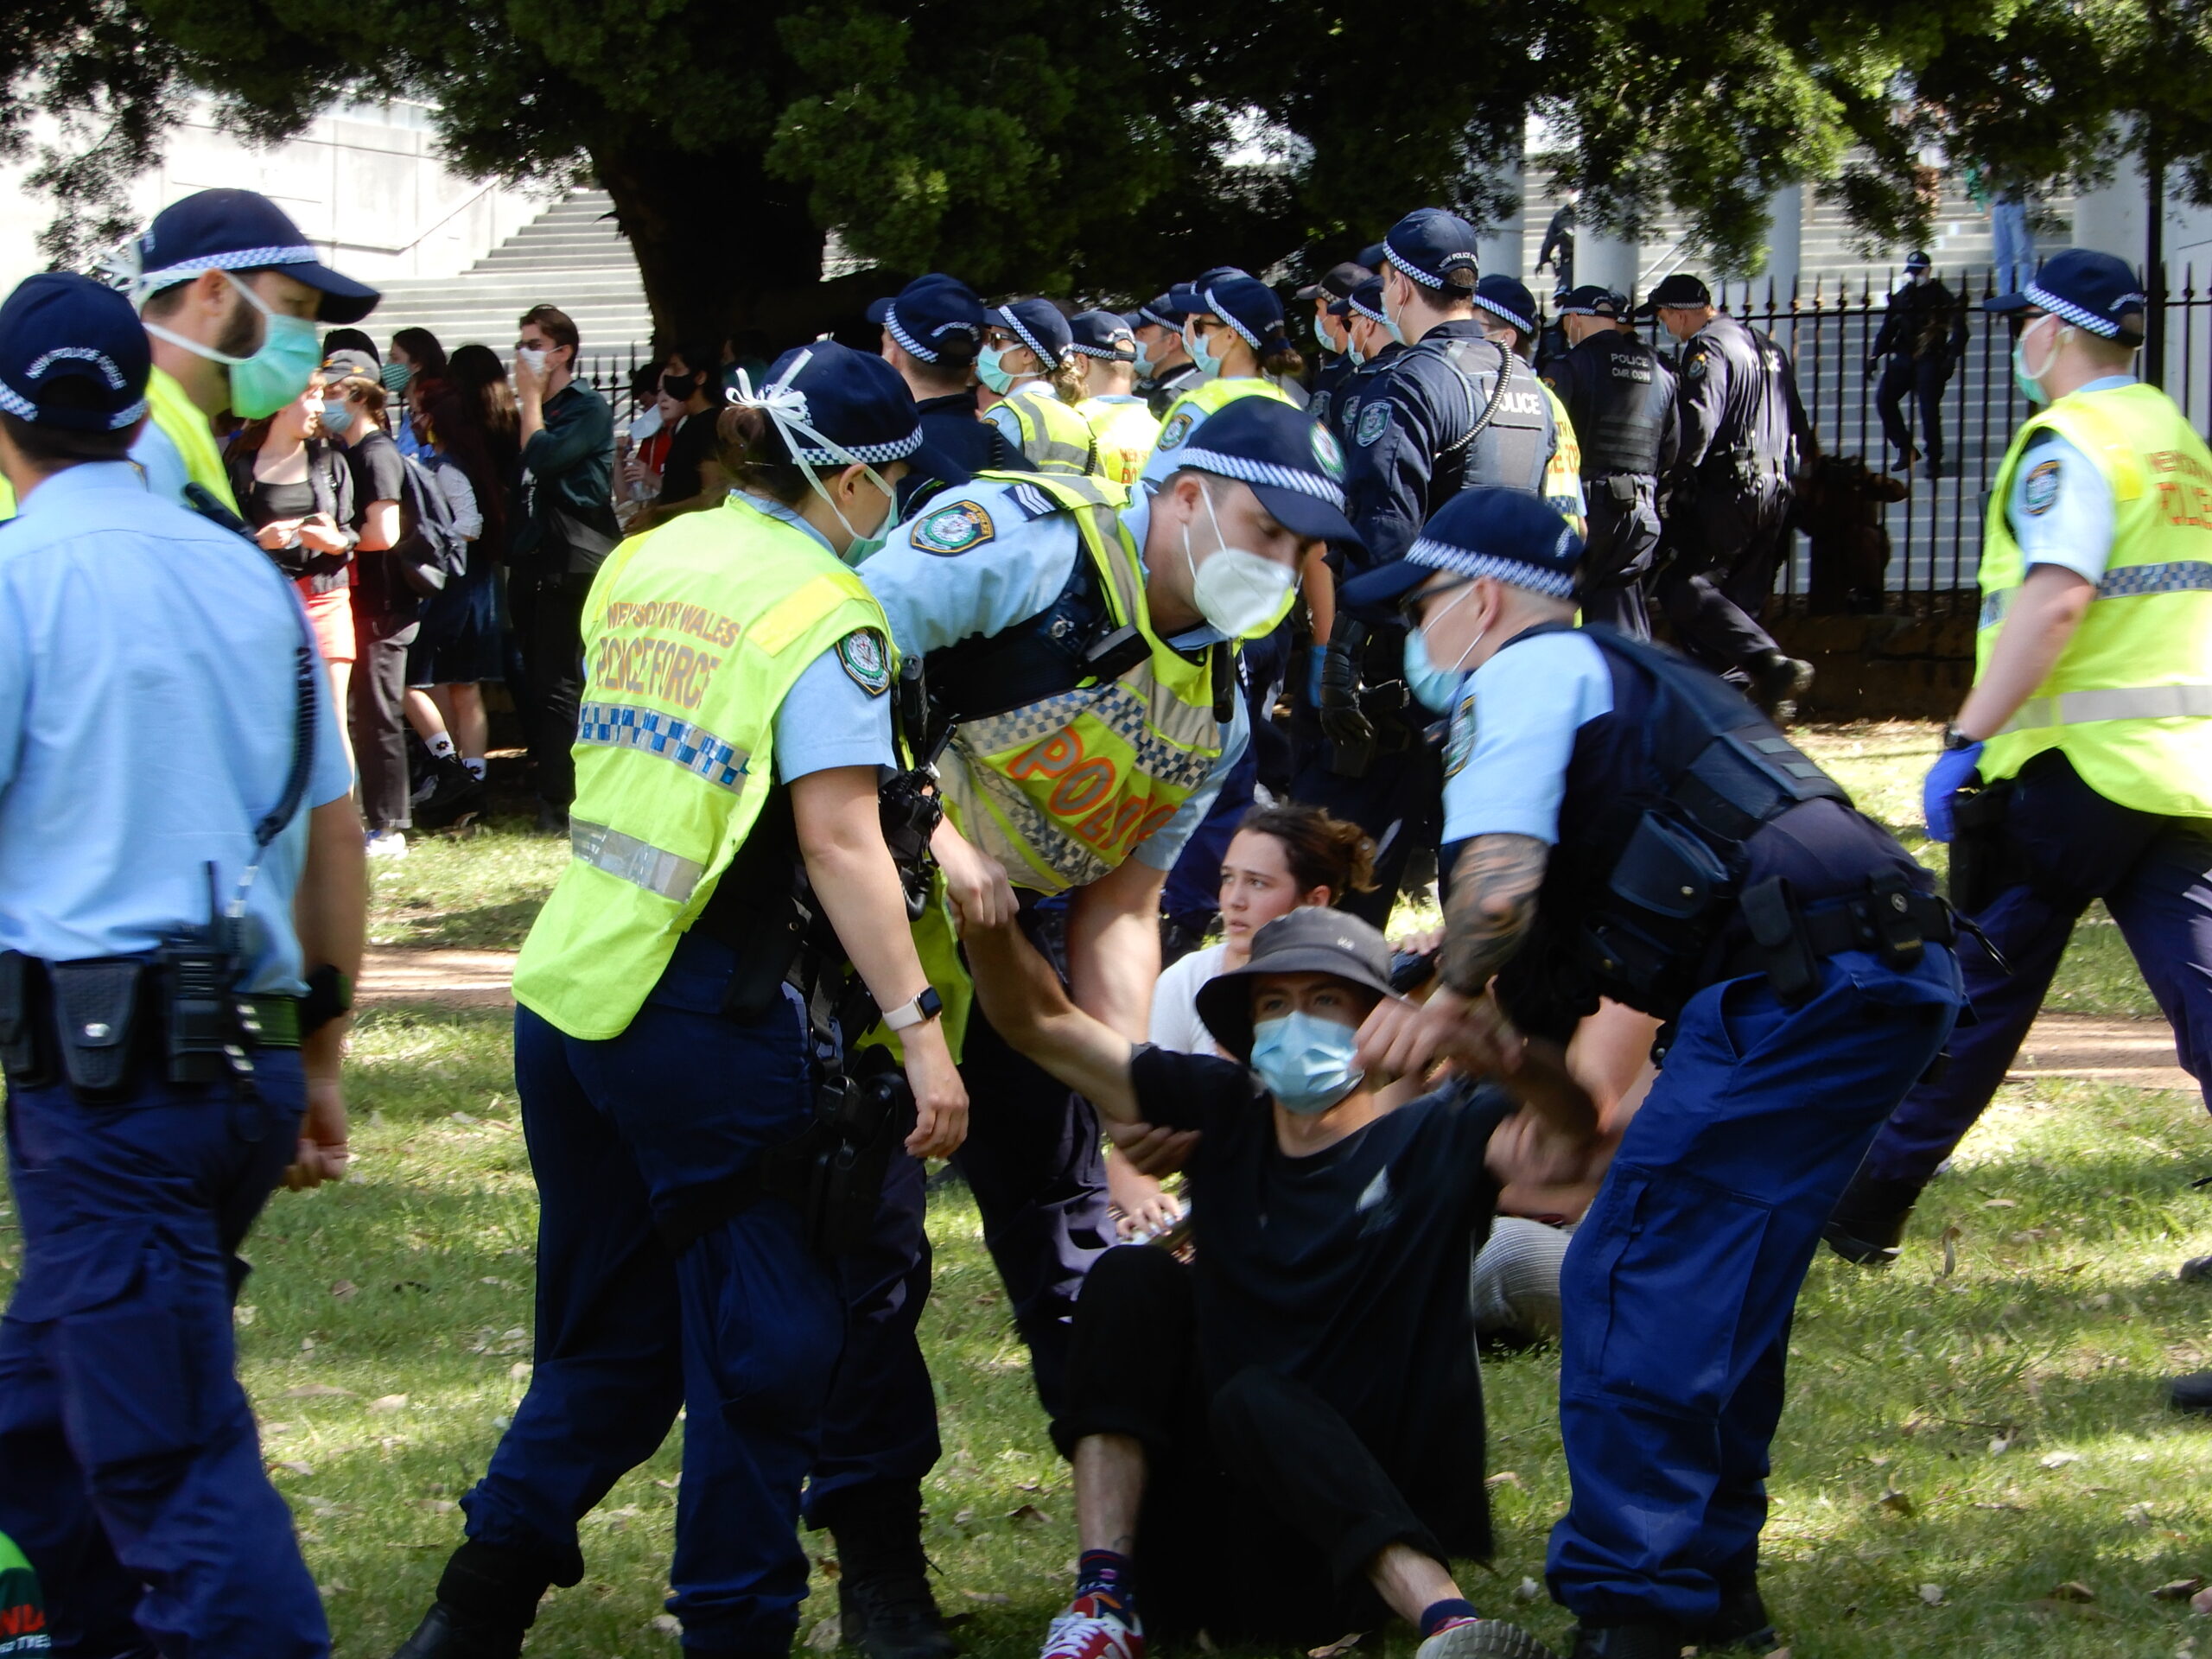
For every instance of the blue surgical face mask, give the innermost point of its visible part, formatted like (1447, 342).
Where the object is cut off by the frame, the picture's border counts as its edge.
(1144, 362)
(1351, 347)
(1398, 329)
(1304, 1061)
(989, 371)
(1435, 689)
(337, 417)
(2030, 383)
(1209, 365)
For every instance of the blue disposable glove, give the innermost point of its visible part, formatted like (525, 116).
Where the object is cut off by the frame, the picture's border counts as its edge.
(1953, 771)
(1315, 657)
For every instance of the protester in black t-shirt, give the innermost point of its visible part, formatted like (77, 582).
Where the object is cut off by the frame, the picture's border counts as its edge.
(1283, 1441)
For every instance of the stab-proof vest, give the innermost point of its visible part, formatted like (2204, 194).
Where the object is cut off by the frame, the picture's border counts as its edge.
(1620, 396)
(1054, 438)
(693, 636)
(1512, 450)
(2130, 699)
(1077, 736)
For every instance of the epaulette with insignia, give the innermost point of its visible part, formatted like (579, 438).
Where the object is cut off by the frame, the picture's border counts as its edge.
(1034, 501)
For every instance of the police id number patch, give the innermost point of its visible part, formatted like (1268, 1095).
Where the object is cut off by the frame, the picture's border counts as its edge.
(2040, 492)
(1461, 742)
(860, 653)
(953, 529)
(1374, 421)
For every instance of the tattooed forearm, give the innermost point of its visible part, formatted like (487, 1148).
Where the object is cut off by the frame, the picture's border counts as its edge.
(1493, 902)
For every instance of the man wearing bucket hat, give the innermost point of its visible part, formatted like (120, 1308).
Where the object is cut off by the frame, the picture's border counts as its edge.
(2080, 766)
(230, 292)
(178, 931)
(1619, 824)
(1286, 1437)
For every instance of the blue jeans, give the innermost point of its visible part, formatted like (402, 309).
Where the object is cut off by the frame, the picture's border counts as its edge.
(742, 1330)
(2154, 874)
(2013, 252)
(1679, 1284)
(130, 1470)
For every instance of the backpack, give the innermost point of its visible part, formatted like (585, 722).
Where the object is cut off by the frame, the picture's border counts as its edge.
(432, 551)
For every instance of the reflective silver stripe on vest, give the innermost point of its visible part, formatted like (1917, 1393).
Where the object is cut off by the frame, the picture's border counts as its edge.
(638, 862)
(2129, 581)
(2127, 703)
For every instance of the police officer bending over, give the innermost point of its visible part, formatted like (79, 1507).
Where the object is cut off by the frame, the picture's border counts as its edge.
(682, 1003)
(2084, 750)
(1620, 824)
(1621, 400)
(1742, 430)
(177, 938)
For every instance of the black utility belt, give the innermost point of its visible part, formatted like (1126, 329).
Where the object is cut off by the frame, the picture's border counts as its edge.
(1892, 919)
(102, 1024)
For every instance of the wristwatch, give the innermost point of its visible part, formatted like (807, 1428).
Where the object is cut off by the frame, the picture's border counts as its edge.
(909, 1014)
(1954, 739)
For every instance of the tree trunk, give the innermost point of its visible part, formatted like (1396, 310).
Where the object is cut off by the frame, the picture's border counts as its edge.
(724, 250)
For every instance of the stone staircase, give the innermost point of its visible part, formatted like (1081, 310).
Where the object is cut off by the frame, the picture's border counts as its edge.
(571, 256)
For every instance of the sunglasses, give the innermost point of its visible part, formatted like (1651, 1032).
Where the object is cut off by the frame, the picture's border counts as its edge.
(1413, 604)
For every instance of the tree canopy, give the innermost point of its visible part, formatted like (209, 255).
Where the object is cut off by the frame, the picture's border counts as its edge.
(1088, 150)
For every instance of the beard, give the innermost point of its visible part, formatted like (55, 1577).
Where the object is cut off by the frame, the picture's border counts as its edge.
(241, 333)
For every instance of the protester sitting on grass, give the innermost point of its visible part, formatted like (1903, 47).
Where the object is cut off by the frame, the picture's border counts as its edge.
(1284, 1441)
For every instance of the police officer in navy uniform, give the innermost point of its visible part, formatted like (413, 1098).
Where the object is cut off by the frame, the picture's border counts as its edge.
(1165, 371)
(1621, 398)
(1744, 431)
(932, 330)
(1619, 824)
(1457, 411)
(1923, 339)
(1335, 363)
(179, 927)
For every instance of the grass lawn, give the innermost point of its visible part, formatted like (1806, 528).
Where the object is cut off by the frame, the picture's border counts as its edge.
(1964, 1436)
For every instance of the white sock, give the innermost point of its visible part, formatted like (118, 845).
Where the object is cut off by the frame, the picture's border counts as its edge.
(475, 765)
(441, 747)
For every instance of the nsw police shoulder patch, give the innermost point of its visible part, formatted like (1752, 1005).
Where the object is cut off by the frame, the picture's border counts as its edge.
(860, 653)
(2039, 494)
(1374, 421)
(1328, 456)
(1461, 742)
(952, 530)
(1177, 428)
(1694, 367)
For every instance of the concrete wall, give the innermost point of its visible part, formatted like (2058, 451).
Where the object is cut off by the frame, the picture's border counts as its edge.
(363, 182)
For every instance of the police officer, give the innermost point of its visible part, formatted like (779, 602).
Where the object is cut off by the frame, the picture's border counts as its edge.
(681, 999)
(1621, 400)
(932, 331)
(2089, 729)
(1507, 311)
(1122, 424)
(1369, 345)
(177, 940)
(1742, 430)
(1165, 371)
(230, 293)
(1922, 338)
(1457, 410)
(1334, 362)
(1234, 330)
(1027, 368)
(1080, 645)
(1619, 824)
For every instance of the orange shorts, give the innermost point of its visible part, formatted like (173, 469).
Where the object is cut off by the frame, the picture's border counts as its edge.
(332, 613)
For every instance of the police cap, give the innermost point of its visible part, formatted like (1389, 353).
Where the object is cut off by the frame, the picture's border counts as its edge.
(1917, 261)
(1435, 249)
(1293, 465)
(936, 318)
(836, 406)
(1337, 282)
(1507, 299)
(234, 230)
(1102, 334)
(73, 355)
(1509, 534)
(1590, 301)
(1162, 311)
(1039, 324)
(1366, 301)
(1681, 289)
(2092, 290)
(1247, 306)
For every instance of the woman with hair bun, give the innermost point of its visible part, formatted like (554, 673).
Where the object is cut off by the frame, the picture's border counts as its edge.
(1236, 335)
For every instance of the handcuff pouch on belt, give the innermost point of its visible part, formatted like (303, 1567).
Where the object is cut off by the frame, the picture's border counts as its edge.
(1986, 860)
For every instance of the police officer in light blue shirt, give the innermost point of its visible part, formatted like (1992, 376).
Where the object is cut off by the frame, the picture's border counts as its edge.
(181, 911)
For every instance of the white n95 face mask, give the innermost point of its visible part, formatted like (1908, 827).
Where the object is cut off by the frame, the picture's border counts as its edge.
(1240, 595)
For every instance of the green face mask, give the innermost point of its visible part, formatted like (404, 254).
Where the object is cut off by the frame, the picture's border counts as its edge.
(276, 373)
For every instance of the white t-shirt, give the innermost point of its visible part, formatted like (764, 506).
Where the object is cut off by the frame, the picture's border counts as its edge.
(1175, 1022)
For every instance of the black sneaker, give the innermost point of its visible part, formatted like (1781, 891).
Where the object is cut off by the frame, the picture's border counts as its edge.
(1777, 683)
(455, 795)
(1629, 1642)
(1741, 1624)
(2192, 1393)
(1867, 1225)
(1935, 466)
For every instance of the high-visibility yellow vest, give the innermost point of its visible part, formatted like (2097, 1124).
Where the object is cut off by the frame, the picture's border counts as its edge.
(2129, 701)
(185, 425)
(1063, 791)
(1122, 430)
(1189, 411)
(1054, 438)
(693, 636)
(1563, 472)
(7, 499)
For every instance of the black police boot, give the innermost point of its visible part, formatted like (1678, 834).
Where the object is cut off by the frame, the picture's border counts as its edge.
(487, 1600)
(2192, 1393)
(1867, 1224)
(1652, 1641)
(884, 1603)
(455, 795)
(1777, 681)
(1741, 1624)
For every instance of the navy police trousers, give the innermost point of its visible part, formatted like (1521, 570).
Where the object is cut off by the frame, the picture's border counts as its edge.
(130, 1470)
(742, 1330)
(2154, 874)
(1679, 1286)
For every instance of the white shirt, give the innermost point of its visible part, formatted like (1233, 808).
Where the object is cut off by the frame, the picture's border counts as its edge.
(1175, 1023)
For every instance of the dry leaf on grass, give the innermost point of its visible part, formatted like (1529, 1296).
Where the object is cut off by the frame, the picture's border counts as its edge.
(317, 1391)
(345, 1290)
(1896, 1503)
(1932, 1594)
(668, 1623)
(990, 1598)
(1028, 1512)
(825, 1637)
(2059, 1459)
(389, 1402)
(2073, 1590)
(2201, 1603)
(1338, 1649)
(2177, 1590)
